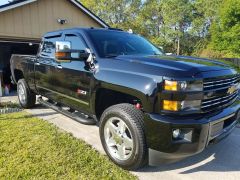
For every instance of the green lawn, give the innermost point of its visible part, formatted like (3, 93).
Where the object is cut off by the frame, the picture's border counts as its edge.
(9, 105)
(31, 148)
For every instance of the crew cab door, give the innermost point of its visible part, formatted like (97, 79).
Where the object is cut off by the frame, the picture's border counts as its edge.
(74, 78)
(45, 79)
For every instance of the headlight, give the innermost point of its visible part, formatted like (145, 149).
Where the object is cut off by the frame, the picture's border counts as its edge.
(194, 105)
(170, 85)
(183, 85)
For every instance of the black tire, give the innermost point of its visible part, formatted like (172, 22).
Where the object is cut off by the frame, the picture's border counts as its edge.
(133, 118)
(30, 97)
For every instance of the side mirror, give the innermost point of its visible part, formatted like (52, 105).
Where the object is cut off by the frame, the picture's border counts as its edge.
(64, 53)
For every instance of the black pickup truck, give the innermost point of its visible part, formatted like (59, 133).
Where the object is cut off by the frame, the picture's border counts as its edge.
(150, 108)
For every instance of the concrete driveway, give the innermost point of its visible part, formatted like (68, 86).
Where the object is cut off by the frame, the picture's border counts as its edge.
(220, 162)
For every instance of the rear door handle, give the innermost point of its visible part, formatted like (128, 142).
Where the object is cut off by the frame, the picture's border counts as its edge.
(59, 66)
(37, 63)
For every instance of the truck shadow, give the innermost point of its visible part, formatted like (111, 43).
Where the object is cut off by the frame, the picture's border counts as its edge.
(221, 157)
(42, 111)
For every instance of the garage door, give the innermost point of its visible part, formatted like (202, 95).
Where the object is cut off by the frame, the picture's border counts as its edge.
(9, 47)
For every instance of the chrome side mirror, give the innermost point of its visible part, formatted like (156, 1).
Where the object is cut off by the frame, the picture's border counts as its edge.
(63, 46)
(64, 53)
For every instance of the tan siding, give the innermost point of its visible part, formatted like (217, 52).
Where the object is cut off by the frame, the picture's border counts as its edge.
(41, 16)
(35, 19)
(8, 26)
(18, 21)
(26, 20)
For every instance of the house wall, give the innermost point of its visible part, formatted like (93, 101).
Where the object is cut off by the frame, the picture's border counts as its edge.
(31, 21)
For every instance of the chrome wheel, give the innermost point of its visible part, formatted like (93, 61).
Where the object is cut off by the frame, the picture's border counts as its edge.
(118, 138)
(21, 94)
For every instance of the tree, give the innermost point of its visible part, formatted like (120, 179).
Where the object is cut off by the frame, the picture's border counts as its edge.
(167, 22)
(204, 14)
(179, 26)
(225, 31)
(117, 13)
(178, 17)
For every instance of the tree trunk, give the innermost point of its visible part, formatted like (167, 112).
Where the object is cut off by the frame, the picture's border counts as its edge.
(178, 46)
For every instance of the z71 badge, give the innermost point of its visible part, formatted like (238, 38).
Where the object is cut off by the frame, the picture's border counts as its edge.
(82, 92)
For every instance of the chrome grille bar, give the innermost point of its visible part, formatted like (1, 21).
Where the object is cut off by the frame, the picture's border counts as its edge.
(229, 79)
(222, 83)
(217, 101)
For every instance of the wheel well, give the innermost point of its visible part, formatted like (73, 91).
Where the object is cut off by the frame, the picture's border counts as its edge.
(106, 98)
(18, 74)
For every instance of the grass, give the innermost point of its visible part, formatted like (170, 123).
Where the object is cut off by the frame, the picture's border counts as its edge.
(31, 148)
(9, 105)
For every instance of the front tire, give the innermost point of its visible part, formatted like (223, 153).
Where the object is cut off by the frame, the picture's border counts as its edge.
(27, 99)
(122, 136)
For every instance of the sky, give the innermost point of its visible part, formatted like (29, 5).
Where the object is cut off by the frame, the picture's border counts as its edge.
(3, 2)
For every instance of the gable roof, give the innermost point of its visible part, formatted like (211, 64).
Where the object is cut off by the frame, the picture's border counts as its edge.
(19, 3)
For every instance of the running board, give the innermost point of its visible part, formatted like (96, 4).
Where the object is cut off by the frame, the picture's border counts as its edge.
(74, 116)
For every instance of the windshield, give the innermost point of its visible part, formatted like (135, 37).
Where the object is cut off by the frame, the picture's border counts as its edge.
(114, 43)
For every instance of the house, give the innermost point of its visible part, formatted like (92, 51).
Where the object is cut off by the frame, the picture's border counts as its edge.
(23, 22)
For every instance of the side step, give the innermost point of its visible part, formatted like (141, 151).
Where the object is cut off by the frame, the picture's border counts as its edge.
(74, 116)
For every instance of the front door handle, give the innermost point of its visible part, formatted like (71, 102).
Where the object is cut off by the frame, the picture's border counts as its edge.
(59, 66)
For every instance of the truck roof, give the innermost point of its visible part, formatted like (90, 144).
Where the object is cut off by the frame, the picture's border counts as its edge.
(72, 30)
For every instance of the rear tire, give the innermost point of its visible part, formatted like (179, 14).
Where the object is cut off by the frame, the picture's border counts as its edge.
(122, 136)
(27, 99)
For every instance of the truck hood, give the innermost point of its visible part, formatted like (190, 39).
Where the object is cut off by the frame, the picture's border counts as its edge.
(157, 67)
(180, 63)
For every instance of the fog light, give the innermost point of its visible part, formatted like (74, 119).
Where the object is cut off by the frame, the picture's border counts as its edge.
(176, 133)
(170, 105)
(182, 135)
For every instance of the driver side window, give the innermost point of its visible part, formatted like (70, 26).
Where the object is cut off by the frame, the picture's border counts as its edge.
(47, 47)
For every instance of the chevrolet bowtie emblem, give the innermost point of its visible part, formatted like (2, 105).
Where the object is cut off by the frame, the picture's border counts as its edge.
(232, 89)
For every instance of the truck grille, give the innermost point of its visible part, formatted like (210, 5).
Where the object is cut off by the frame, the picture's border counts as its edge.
(221, 97)
(220, 83)
(213, 103)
